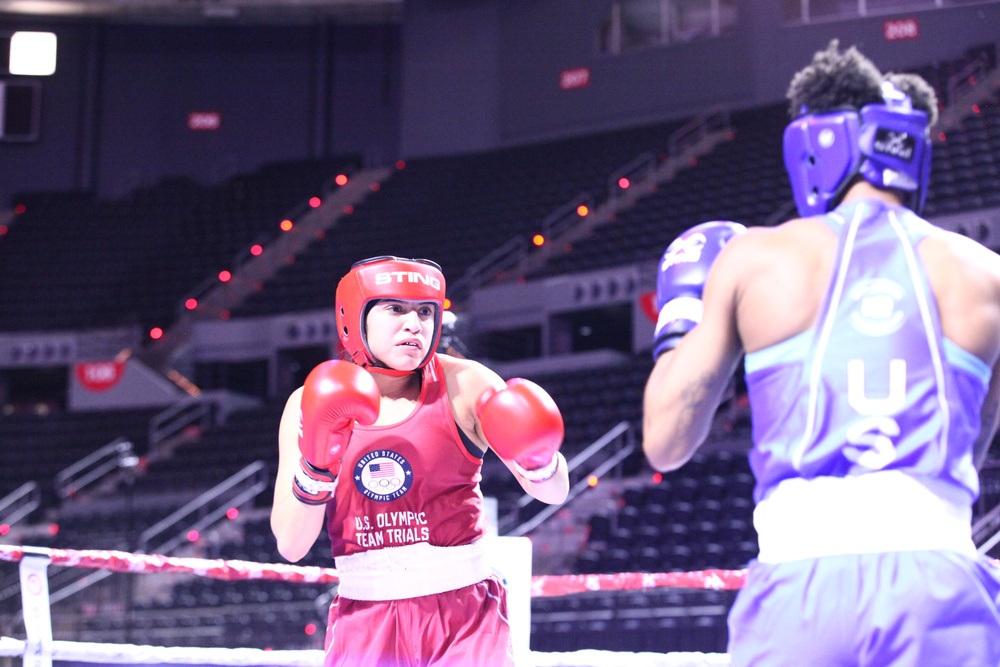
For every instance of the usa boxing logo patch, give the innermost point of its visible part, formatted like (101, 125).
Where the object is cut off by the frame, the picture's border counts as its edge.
(875, 307)
(383, 475)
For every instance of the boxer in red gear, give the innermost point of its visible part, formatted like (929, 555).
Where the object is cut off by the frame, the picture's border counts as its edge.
(335, 394)
(402, 504)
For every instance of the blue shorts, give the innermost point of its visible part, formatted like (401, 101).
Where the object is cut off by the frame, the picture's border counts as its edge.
(904, 609)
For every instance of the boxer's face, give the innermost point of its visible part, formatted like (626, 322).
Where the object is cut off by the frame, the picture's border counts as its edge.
(400, 333)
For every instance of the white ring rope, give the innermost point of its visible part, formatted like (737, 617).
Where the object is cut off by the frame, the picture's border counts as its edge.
(132, 654)
(233, 570)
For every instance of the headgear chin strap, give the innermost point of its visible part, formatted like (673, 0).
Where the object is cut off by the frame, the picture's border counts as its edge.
(886, 144)
(385, 277)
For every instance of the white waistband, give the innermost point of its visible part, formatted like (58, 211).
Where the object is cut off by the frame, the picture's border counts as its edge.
(872, 513)
(409, 571)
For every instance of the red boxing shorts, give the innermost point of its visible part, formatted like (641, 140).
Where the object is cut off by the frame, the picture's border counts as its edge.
(466, 626)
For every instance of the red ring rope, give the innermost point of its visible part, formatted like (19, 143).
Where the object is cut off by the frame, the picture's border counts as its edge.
(232, 570)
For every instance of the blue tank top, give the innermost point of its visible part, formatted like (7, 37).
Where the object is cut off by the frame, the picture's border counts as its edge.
(873, 385)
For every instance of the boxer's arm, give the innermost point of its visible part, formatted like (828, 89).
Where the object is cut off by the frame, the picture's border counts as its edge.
(524, 427)
(295, 525)
(687, 384)
(467, 381)
(681, 278)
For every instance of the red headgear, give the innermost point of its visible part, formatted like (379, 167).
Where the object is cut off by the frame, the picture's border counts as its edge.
(385, 277)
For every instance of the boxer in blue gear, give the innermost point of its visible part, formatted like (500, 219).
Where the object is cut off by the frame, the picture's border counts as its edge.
(681, 277)
(872, 356)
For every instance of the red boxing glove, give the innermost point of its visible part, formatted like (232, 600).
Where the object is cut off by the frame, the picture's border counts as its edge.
(523, 424)
(335, 395)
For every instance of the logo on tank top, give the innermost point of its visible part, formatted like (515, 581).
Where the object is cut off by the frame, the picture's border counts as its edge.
(875, 309)
(383, 475)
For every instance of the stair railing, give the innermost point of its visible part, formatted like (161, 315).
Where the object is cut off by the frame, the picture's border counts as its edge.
(600, 457)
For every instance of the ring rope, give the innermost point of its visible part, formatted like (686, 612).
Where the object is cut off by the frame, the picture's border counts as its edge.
(234, 570)
(213, 568)
(553, 585)
(133, 654)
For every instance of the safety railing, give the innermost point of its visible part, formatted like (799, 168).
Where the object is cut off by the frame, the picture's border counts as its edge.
(698, 136)
(480, 272)
(967, 78)
(249, 269)
(566, 216)
(602, 456)
(117, 454)
(204, 510)
(636, 170)
(172, 531)
(986, 531)
(976, 83)
(695, 131)
(172, 422)
(19, 503)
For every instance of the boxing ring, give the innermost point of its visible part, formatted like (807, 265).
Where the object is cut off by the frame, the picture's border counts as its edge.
(39, 649)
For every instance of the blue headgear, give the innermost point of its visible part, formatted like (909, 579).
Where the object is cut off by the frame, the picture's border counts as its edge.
(888, 144)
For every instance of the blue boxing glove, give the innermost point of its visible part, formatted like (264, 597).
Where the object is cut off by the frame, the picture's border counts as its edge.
(681, 278)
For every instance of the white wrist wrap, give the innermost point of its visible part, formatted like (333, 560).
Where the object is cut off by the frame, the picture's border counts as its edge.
(681, 308)
(313, 486)
(539, 474)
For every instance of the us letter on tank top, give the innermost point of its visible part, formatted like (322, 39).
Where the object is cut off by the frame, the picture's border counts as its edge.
(883, 389)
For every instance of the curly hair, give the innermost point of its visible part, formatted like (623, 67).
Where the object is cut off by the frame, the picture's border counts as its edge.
(834, 80)
(921, 93)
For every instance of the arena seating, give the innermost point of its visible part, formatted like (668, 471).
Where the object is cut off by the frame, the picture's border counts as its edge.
(695, 518)
(593, 402)
(37, 447)
(456, 209)
(661, 621)
(505, 193)
(453, 209)
(177, 233)
(76, 261)
(942, 74)
(218, 452)
(742, 180)
(276, 612)
(965, 169)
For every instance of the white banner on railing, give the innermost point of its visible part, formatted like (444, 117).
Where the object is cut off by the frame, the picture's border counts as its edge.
(35, 602)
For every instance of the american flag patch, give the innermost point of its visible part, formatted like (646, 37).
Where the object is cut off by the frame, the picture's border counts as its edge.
(385, 469)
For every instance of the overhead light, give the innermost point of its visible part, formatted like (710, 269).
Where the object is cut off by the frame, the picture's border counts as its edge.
(43, 7)
(220, 12)
(33, 53)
